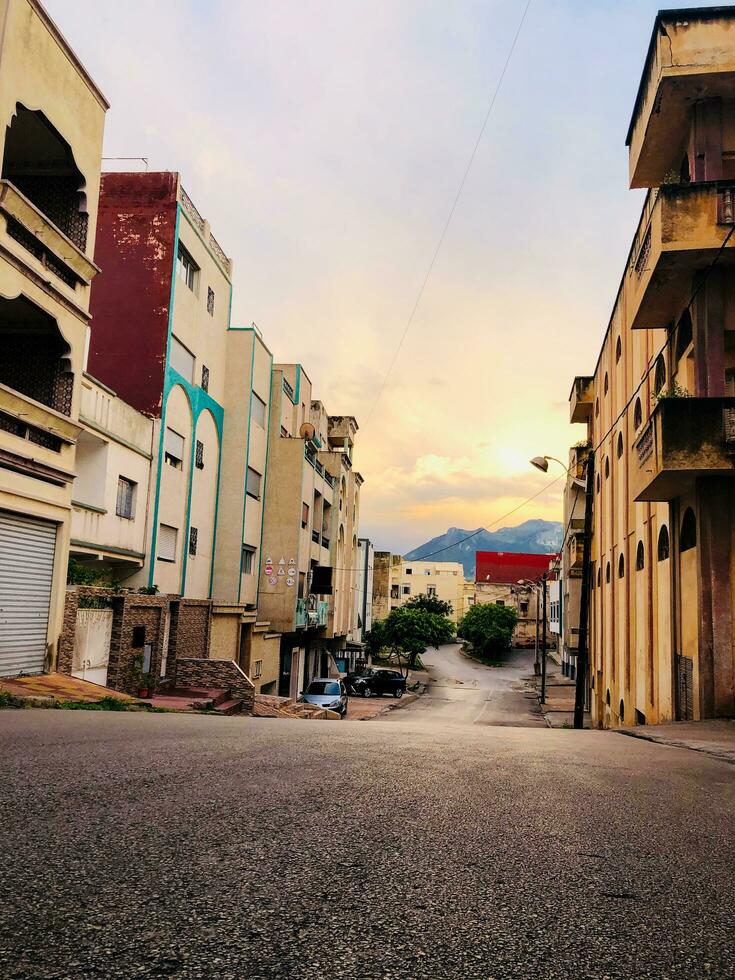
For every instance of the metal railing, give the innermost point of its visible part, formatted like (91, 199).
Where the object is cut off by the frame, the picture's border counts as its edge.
(301, 612)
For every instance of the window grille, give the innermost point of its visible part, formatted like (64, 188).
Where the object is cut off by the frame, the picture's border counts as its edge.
(193, 539)
(199, 455)
(205, 378)
(210, 301)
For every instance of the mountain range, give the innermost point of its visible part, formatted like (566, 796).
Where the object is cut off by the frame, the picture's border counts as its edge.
(535, 537)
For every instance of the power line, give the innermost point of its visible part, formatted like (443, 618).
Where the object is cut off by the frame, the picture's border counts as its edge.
(451, 213)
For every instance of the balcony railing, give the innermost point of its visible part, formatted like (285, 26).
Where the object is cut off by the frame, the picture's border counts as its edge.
(685, 438)
(288, 389)
(317, 617)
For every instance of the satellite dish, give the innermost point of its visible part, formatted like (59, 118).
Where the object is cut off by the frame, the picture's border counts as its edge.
(307, 431)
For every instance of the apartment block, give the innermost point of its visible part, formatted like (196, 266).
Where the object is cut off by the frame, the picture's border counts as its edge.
(444, 580)
(513, 579)
(660, 404)
(53, 118)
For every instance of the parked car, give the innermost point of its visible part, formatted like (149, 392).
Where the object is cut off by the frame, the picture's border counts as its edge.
(377, 681)
(327, 693)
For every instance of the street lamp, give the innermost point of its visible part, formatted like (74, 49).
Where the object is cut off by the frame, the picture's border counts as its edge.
(542, 463)
(530, 586)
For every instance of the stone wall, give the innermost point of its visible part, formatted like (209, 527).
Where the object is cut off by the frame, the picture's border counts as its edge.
(224, 674)
(189, 632)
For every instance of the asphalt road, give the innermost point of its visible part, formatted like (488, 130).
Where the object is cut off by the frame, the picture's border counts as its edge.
(464, 692)
(189, 846)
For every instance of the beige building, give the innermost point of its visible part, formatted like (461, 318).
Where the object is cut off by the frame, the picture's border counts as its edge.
(659, 406)
(308, 569)
(52, 123)
(444, 579)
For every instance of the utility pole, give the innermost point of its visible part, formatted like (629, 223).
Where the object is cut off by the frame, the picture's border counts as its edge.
(543, 640)
(536, 667)
(582, 655)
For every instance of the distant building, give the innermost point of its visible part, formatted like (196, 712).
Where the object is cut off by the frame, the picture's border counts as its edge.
(503, 577)
(443, 579)
(363, 620)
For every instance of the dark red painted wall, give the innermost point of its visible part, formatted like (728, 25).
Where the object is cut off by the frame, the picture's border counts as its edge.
(130, 296)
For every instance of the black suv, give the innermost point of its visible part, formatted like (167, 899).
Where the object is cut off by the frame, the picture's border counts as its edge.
(377, 681)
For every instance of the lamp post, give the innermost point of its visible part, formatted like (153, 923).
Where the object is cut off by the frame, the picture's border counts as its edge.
(542, 463)
(533, 587)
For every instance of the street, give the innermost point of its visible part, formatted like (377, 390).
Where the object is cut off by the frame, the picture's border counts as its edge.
(144, 845)
(462, 691)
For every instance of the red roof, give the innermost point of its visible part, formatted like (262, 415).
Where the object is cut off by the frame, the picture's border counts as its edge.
(506, 567)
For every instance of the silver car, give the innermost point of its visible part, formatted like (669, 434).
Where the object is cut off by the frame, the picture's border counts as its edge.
(327, 693)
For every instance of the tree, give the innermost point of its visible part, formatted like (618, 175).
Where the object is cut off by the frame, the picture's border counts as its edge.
(407, 632)
(488, 628)
(430, 603)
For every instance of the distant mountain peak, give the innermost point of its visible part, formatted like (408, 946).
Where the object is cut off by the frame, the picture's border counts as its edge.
(535, 536)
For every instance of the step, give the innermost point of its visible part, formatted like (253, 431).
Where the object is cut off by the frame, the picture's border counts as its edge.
(231, 707)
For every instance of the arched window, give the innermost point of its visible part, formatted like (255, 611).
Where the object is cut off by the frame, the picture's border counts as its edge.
(620, 444)
(683, 334)
(663, 543)
(618, 350)
(599, 577)
(660, 375)
(637, 414)
(621, 566)
(606, 384)
(607, 468)
(607, 572)
(622, 710)
(598, 482)
(640, 557)
(607, 697)
(597, 406)
(688, 534)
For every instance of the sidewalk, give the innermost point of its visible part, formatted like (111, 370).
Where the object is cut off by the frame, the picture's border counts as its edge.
(558, 711)
(715, 738)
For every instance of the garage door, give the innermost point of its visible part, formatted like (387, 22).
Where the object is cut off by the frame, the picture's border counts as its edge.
(26, 570)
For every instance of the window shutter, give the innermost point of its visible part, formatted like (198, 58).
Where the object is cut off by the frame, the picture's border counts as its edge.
(167, 542)
(174, 444)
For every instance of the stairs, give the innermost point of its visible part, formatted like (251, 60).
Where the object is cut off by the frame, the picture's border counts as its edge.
(217, 700)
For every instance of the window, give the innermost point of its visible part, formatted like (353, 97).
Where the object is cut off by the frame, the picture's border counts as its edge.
(598, 482)
(637, 414)
(660, 376)
(258, 412)
(640, 557)
(597, 406)
(248, 560)
(284, 432)
(621, 566)
(605, 384)
(688, 534)
(407, 590)
(523, 605)
(253, 483)
(599, 577)
(607, 572)
(125, 506)
(607, 468)
(199, 455)
(431, 590)
(205, 378)
(181, 359)
(683, 334)
(138, 638)
(620, 445)
(193, 540)
(258, 669)
(618, 350)
(174, 449)
(304, 515)
(409, 571)
(187, 268)
(663, 543)
(167, 536)
(500, 602)
(210, 301)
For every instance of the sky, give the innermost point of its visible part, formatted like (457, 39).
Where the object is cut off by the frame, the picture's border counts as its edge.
(325, 141)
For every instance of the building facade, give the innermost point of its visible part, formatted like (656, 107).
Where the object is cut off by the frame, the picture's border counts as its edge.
(513, 579)
(52, 123)
(659, 407)
(444, 580)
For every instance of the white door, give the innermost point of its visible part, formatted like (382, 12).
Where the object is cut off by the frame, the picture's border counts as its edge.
(27, 549)
(92, 635)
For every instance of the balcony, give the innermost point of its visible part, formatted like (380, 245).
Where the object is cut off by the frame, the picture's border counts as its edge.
(35, 440)
(27, 225)
(302, 616)
(690, 59)
(685, 438)
(317, 617)
(682, 228)
(581, 399)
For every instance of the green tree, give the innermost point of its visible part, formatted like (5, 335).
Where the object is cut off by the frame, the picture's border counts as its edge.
(430, 603)
(488, 628)
(408, 632)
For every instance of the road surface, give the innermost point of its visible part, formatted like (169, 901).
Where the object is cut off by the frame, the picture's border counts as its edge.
(462, 691)
(143, 845)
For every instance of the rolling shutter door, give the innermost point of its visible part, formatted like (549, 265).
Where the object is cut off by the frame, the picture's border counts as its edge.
(27, 549)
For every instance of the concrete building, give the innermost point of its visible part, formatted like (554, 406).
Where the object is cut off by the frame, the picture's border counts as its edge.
(661, 630)
(382, 596)
(309, 566)
(443, 579)
(52, 123)
(363, 619)
(503, 578)
(565, 592)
